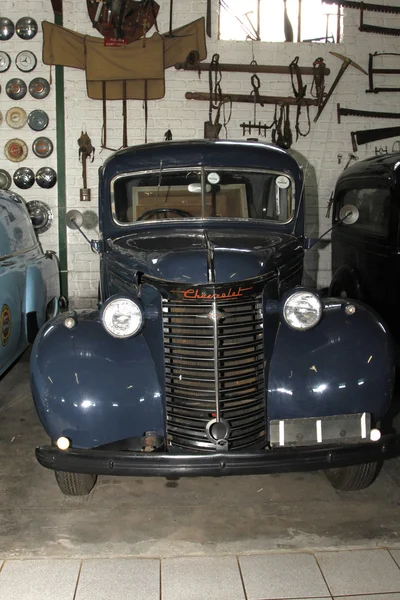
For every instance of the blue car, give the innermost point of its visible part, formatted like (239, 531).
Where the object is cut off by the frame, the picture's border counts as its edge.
(207, 356)
(29, 280)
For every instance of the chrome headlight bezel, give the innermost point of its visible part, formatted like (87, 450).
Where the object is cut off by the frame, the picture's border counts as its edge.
(111, 303)
(297, 295)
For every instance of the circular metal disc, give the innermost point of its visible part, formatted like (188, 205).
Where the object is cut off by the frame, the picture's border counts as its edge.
(73, 218)
(40, 214)
(352, 213)
(26, 61)
(39, 88)
(26, 28)
(42, 147)
(16, 150)
(6, 28)
(5, 179)
(5, 61)
(46, 177)
(24, 178)
(38, 120)
(16, 89)
(16, 117)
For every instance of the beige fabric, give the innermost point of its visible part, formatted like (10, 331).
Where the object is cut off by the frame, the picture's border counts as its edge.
(132, 63)
(62, 46)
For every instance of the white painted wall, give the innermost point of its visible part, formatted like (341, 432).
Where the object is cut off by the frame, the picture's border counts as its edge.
(317, 152)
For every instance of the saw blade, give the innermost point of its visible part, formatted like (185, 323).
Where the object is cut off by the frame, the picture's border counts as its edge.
(365, 6)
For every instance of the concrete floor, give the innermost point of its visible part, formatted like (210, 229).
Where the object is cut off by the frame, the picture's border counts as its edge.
(152, 517)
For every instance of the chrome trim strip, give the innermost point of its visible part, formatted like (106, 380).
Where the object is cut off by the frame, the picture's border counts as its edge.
(8, 256)
(199, 169)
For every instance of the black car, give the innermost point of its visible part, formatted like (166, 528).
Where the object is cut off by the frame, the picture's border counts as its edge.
(207, 356)
(366, 248)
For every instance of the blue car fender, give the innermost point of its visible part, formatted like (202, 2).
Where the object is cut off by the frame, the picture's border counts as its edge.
(91, 387)
(344, 365)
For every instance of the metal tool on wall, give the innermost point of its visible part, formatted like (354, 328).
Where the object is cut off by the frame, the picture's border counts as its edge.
(354, 112)
(372, 135)
(365, 6)
(213, 128)
(380, 71)
(287, 26)
(86, 151)
(346, 63)
(259, 128)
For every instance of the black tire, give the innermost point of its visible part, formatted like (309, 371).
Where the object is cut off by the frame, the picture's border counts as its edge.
(355, 477)
(75, 484)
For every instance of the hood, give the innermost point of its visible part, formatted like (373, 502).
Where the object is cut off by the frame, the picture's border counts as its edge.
(186, 255)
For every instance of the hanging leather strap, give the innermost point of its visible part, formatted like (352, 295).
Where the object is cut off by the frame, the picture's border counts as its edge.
(297, 126)
(318, 82)
(146, 113)
(282, 134)
(124, 117)
(299, 91)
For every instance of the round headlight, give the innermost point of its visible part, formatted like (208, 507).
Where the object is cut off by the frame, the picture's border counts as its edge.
(122, 317)
(302, 310)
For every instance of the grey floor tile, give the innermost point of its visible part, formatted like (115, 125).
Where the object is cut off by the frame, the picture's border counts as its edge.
(373, 597)
(282, 576)
(357, 572)
(119, 579)
(396, 555)
(192, 578)
(39, 579)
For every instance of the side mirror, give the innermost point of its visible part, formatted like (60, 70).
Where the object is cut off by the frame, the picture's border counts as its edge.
(74, 220)
(349, 214)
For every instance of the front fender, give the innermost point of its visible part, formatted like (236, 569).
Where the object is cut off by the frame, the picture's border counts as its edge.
(345, 365)
(91, 387)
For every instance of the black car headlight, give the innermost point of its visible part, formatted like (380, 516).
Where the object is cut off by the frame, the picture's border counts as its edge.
(122, 317)
(302, 310)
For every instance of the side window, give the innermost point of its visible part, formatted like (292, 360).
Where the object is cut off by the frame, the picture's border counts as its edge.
(374, 207)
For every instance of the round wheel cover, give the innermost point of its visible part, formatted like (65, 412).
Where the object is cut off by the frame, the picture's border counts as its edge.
(26, 61)
(40, 214)
(42, 147)
(5, 61)
(24, 178)
(26, 28)
(16, 89)
(5, 179)
(16, 150)
(46, 177)
(38, 120)
(16, 117)
(6, 28)
(39, 88)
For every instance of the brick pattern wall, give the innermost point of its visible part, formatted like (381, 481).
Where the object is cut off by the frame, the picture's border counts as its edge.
(317, 152)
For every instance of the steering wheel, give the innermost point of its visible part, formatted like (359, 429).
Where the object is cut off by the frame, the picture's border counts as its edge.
(164, 211)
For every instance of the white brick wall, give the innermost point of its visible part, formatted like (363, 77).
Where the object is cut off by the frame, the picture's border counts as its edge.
(317, 152)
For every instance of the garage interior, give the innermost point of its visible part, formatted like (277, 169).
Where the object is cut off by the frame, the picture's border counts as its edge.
(283, 536)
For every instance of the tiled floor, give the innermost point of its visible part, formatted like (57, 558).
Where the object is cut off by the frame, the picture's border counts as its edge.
(355, 574)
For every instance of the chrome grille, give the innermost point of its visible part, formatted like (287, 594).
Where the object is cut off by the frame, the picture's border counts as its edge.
(190, 373)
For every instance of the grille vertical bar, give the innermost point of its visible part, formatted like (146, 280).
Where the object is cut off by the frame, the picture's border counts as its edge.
(190, 377)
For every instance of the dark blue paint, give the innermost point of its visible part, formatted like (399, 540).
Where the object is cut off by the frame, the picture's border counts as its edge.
(93, 388)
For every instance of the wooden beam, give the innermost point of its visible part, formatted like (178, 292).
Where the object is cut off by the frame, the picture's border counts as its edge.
(249, 99)
(234, 68)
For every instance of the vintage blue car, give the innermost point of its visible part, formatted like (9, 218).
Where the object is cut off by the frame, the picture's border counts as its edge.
(29, 280)
(207, 356)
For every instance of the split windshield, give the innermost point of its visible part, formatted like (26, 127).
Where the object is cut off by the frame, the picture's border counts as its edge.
(202, 193)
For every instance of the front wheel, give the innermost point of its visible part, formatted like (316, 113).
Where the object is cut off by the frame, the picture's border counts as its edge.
(355, 477)
(75, 484)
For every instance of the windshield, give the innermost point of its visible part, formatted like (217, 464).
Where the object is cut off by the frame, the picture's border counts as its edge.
(202, 193)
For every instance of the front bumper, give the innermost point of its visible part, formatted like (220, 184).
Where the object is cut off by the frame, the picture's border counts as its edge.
(164, 464)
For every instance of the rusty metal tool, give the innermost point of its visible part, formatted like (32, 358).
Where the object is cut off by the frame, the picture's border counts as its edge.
(346, 63)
